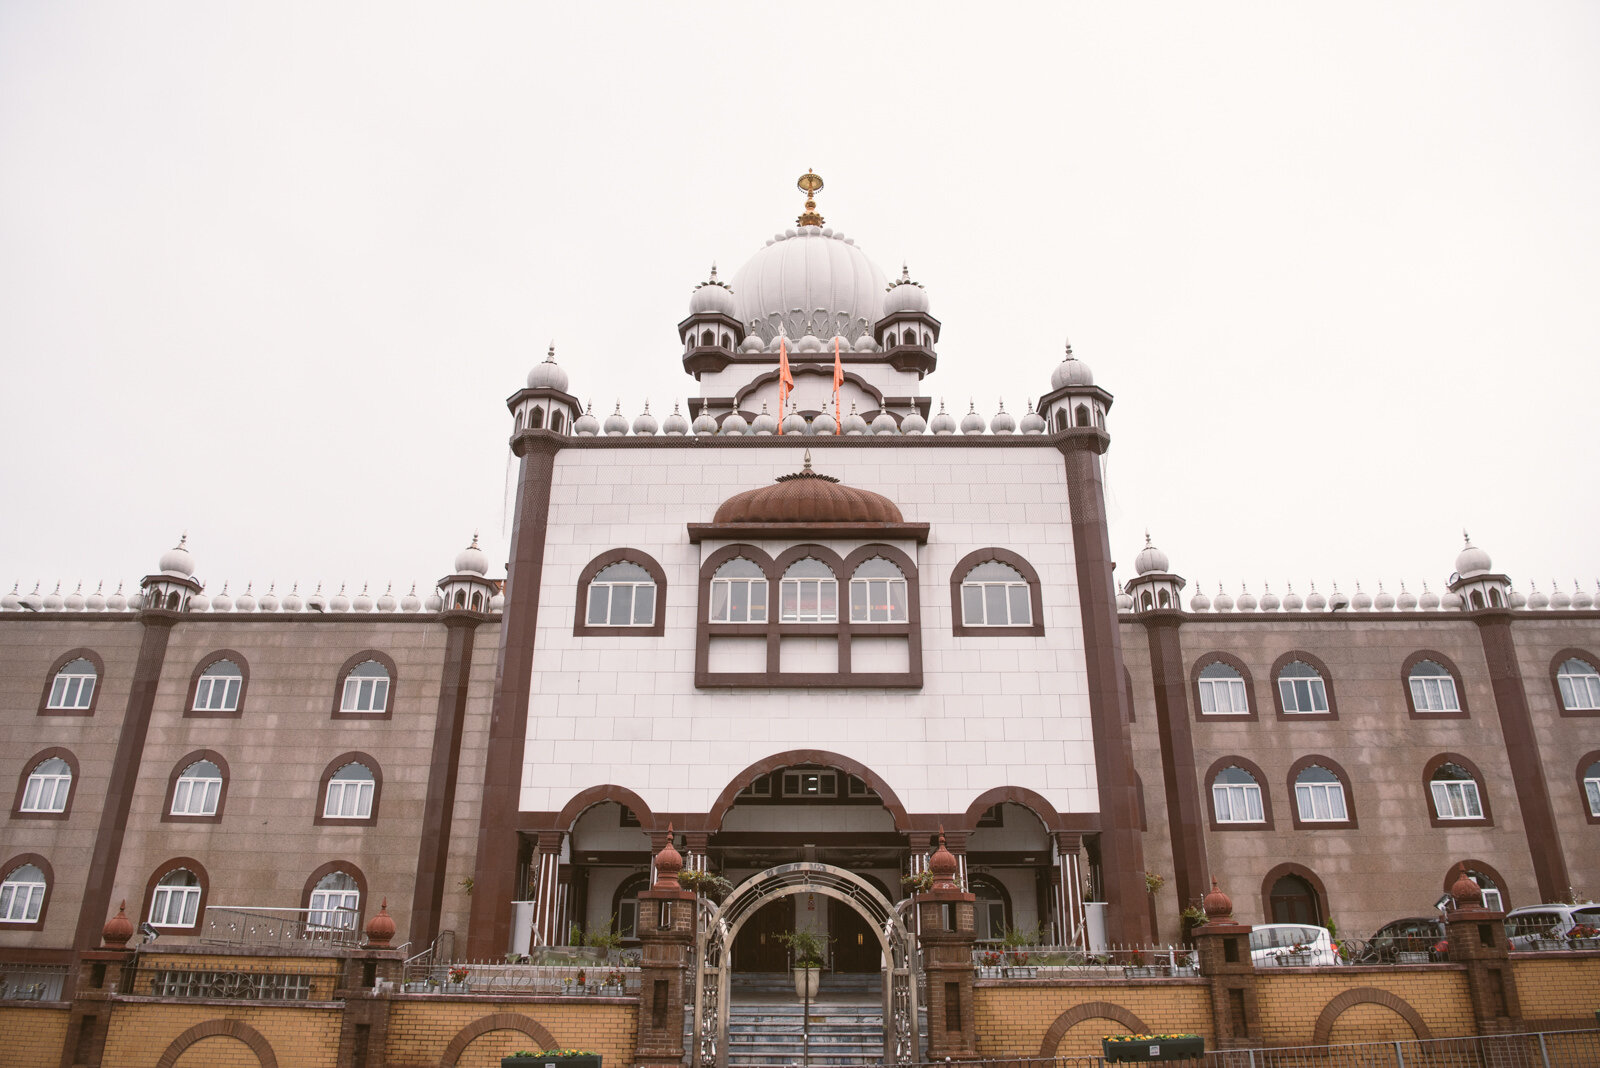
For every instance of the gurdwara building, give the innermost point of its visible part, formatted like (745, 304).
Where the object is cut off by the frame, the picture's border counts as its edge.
(822, 622)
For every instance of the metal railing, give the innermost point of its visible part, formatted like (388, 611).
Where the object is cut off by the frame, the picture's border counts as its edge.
(997, 961)
(498, 977)
(227, 984)
(248, 926)
(1547, 1049)
(31, 982)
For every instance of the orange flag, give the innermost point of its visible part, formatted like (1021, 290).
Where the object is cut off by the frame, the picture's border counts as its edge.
(785, 380)
(838, 380)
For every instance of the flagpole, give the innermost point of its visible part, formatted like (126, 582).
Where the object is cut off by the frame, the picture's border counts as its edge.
(785, 379)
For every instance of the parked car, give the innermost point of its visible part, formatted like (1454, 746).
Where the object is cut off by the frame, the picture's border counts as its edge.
(1291, 944)
(1412, 935)
(1530, 924)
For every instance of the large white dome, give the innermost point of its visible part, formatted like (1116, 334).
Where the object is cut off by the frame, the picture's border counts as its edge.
(810, 281)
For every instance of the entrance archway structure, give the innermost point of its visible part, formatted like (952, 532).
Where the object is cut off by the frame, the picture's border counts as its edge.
(721, 926)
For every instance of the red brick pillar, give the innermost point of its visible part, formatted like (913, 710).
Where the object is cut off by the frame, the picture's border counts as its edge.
(1477, 938)
(101, 974)
(667, 929)
(945, 915)
(1223, 946)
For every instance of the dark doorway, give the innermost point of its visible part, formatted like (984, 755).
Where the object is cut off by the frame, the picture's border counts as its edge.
(1293, 901)
(855, 944)
(757, 948)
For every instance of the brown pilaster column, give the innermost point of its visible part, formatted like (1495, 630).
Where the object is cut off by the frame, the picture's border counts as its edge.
(1121, 850)
(1224, 950)
(433, 849)
(945, 916)
(667, 929)
(1186, 819)
(1522, 750)
(124, 776)
(495, 872)
(1477, 938)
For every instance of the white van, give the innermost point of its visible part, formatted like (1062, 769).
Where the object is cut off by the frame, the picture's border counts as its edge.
(1534, 923)
(1291, 944)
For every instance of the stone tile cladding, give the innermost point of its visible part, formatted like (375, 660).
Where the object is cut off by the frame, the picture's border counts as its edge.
(32, 1037)
(1013, 1021)
(421, 1030)
(1559, 985)
(304, 1037)
(1291, 1004)
(993, 711)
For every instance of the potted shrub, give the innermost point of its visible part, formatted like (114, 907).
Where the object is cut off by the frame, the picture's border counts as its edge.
(1122, 1048)
(1584, 936)
(989, 964)
(457, 982)
(808, 948)
(560, 1058)
(614, 982)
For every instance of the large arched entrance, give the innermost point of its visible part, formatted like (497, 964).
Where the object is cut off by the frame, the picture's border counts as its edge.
(721, 927)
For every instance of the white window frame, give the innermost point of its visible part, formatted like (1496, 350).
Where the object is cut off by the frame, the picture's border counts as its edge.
(1434, 693)
(47, 791)
(73, 691)
(1231, 690)
(723, 595)
(333, 910)
(1292, 688)
(797, 782)
(218, 693)
(1591, 791)
(1330, 794)
(1491, 893)
(794, 593)
(1230, 797)
(357, 793)
(1018, 599)
(371, 691)
(1571, 683)
(609, 589)
(1455, 799)
(206, 789)
(22, 900)
(171, 900)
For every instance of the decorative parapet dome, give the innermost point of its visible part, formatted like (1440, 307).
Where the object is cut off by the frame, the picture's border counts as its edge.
(669, 862)
(972, 422)
(644, 424)
(1471, 560)
(381, 928)
(904, 295)
(586, 425)
(705, 422)
(712, 297)
(914, 423)
(765, 424)
(943, 421)
(616, 423)
(1269, 600)
(1247, 600)
(1217, 905)
(177, 560)
(1465, 893)
(118, 929)
(1003, 422)
(675, 424)
(1150, 559)
(807, 497)
(942, 863)
(1071, 371)
(1315, 602)
(1199, 602)
(339, 602)
(1033, 422)
(472, 560)
(853, 423)
(794, 422)
(411, 602)
(548, 375)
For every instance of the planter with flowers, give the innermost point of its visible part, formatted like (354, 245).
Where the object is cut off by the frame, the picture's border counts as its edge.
(1584, 936)
(614, 983)
(456, 982)
(559, 1058)
(989, 962)
(1122, 1048)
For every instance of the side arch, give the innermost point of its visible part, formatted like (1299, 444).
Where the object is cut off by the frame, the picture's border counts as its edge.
(584, 800)
(724, 802)
(1366, 995)
(1089, 1010)
(1016, 795)
(236, 1029)
(500, 1021)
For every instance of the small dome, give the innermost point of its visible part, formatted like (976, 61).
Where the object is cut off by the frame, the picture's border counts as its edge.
(735, 424)
(1559, 598)
(472, 560)
(853, 423)
(1071, 371)
(644, 423)
(1362, 601)
(269, 600)
(794, 422)
(1247, 600)
(1407, 600)
(1384, 601)
(54, 602)
(1217, 905)
(363, 600)
(1199, 602)
(198, 603)
(765, 424)
(135, 600)
(914, 423)
(616, 423)
(943, 864)
(825, 425)
(753, 343)
(1150, 560)
(381, 928)
(75, 601)
(339, 602)
(117, 602)
(807, 497)
(675, 425)
(1124, 602)
(865, 343)
(11, 602)
(1471, 560)
(387, 603)
(1581, 597)
(837, 343)
(548, 375)
(669, 862)
(411, 602)
(904, 295)
(435, 602)
(118, 929)
(704, 423)
(497, 602)
(712, 297)
(809, 343)
(884, 424)
(1269, 600)
(972, 422)
(1536, 599)
(96, 601)
(1222, 602)
(1517, 599)
(1465, 892)
(176, 560)
(33, 600)
(292, 602)
(943, 422)
(1003, 422)
(247, 600)
(1033, 422)
(586, 425)
(1293, 602)
(1452, 600)
(1315, 602)
(223, 602)
(1429, 600)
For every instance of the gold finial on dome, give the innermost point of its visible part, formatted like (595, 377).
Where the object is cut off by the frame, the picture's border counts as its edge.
(808, 184)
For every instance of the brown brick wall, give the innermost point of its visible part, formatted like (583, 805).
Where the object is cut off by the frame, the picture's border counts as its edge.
(140, 1032)
(421, 1030)
(32, 1037)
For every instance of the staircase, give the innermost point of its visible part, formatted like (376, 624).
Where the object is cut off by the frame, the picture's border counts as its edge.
(765, 1021)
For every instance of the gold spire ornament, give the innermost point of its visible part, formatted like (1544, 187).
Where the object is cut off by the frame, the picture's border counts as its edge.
(808, 184)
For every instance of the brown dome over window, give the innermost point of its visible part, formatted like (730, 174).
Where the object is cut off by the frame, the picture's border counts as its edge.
(810, 503)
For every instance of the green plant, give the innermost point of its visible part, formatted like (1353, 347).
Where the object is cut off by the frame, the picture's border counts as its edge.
(607, 937)
(705, 883)
(1153, 882)
(466, 884)
(1191, 917)
(1016, 937)
(808, 947)
(920, 883)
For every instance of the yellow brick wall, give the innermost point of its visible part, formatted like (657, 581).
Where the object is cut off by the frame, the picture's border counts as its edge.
(1552, 988)
(1290, 1003)
(1369, 1023)
(326, 970)
(1012, 1021)
(420, 1030)
(219, 1051)
(304, 1037)
(32, 1038)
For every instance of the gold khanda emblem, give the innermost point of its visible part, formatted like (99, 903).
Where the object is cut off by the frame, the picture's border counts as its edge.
(808, 184)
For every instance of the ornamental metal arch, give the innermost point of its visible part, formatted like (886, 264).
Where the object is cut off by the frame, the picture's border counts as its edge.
(720, 926)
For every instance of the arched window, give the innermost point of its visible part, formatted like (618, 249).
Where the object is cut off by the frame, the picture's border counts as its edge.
(1222, 690)
(335, 903)
(622, 595)
(22, 894)
(48, 787)
(218, 688)
(536, 420)
(176, 901)
(995, 595)
(1292, 899)
(73, 687)
(197, 790)
(1319, 796)
(1236, 796)
(1591, 788)
(739, 593)
(878, 593)
(1082, 413)
(1301, 689)
(991, 916)
(625, 904)
(1580, 685)
(349, 795)
(1455, 793)
(556, 420)
(366, 689)
(1433, 687)
(809, 593)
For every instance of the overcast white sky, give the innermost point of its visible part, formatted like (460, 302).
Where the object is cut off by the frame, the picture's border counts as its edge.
(268, 272)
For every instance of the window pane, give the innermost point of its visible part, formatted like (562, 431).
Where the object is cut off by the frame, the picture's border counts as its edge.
(1252, 797)
(597, 603)
(897, 601)
(828, 599)
(1286, 695)
(972, 605)
(1591, 787)
(1319, 696)
(994, 606)
(860, 602)
(1447, 695)
(644, 605)
(30, 799)
(1418, 697)
(719, 602)
(758, 601)
(58, 690)
(1208, 702)
(1470, 793)
(621, 605)
(1302, 695)
(380, 694)
(213, 790)
(1021, 609)
(1336, 809)
(740, 611)
(1219, 797)
(233, 695)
